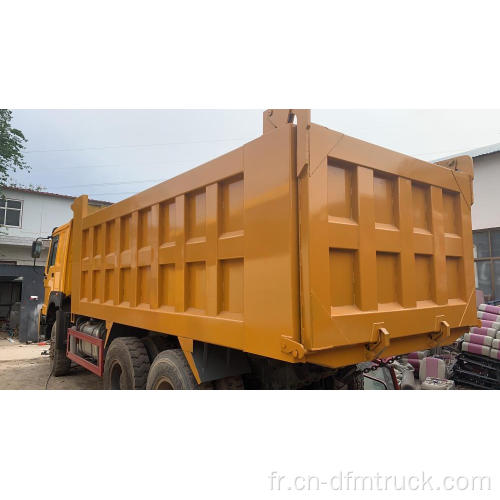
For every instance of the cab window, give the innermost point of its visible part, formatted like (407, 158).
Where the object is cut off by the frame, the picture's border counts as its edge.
(53, 251)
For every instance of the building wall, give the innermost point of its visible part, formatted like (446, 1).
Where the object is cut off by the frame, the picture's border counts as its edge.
(22, 254)
(41, 214)
(486, 208)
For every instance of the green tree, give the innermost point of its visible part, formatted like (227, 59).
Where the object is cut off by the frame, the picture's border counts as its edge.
(12, 143)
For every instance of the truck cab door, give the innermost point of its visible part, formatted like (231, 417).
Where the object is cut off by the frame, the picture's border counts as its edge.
(52, 271)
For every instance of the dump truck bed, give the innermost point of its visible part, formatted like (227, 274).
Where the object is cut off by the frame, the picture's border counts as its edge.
(302, 245)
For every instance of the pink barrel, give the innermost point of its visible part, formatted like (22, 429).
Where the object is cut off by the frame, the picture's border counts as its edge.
(415, 363)
(432, 367)
(476, 349)
(418, 354)
(484, 331)
(478, 339)
(488, 316)
(490, 324)
(489, 309)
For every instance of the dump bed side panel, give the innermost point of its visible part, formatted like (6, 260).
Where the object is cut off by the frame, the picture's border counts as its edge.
(386, 245)
(210, 255)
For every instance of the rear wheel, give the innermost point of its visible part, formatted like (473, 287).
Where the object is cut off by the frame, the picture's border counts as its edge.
(170, 371)
(230, 384)
(155, 344)
(127, 365)
(59, 363)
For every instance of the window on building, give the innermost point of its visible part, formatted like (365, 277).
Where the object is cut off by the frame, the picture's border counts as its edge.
(487, 261)
(11, 212)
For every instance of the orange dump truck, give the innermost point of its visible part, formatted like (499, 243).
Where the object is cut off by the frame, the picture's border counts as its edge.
(281, 264)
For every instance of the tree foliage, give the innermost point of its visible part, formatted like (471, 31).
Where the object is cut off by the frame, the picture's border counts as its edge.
(12, 143)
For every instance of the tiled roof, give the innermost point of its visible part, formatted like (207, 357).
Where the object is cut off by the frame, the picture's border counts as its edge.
(474, 153)
(55, 195)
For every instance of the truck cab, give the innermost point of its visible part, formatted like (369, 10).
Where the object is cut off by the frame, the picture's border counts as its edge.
(57, 279)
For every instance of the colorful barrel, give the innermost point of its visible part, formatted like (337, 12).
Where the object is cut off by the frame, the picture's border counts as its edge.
(489, 309)
(484, 331)
(419, 354)
(415, 363)
(495, 354)
(473, 338)
(490, 324)
(488, 316)
(476, 349)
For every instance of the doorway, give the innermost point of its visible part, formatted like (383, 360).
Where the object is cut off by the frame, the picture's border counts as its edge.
(10, 304)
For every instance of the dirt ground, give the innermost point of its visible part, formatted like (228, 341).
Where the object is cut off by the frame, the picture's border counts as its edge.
(24, 367)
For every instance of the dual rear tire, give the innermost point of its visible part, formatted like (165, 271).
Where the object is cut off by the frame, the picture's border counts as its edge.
(155, 344)
(127, 364)
(132, 363)
(171, 371)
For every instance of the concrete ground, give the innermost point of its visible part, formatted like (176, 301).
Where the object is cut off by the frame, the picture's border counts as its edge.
(24, 367)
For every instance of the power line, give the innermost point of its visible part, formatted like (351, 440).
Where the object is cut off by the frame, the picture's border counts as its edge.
(160, 164)
(110, 194)
(97, 148)
(108, 184)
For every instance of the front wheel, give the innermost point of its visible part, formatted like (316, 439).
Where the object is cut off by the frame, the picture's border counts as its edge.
(59, 363)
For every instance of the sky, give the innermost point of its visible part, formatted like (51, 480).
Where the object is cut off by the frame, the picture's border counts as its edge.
(113, 154)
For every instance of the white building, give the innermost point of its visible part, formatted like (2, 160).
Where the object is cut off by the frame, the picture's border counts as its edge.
(486, 219)
(24, 216)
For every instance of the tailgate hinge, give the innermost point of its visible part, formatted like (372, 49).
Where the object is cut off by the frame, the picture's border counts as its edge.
(442, 330)
(293, 348)
(381, 341)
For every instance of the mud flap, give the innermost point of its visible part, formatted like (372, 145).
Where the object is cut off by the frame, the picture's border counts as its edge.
(62, 325)
(215, 362)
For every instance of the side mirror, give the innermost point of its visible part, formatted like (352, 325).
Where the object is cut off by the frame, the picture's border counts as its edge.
(36, 249)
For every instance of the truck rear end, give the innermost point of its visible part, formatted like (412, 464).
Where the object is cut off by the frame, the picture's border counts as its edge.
(283, 263)
(386, 249)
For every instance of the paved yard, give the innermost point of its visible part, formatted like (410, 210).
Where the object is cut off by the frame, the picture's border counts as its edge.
(23, 367)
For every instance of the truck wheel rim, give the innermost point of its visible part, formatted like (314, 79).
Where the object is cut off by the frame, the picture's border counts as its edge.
(163, 384)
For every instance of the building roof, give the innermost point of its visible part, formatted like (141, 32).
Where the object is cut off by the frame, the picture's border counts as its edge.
(54, 195)
(474, 153)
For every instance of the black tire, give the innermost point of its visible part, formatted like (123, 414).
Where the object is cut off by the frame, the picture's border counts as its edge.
(356, 382)
(59, 363)
(127, 364)
(170, 370)
(46, 330)
(230, 384)
(155, 344)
